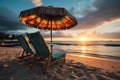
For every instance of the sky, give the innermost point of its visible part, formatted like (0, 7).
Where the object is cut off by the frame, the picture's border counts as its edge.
(97, 19)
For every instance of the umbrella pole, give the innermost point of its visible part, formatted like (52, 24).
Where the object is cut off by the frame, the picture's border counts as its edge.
(51, 37)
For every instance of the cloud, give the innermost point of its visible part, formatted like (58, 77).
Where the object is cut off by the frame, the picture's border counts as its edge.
(114, 35)
(55, 34)
(9, 20)
(98, 13)
(37, 2)
(94, 35)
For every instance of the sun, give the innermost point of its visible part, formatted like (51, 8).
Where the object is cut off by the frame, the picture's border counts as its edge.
(83, 39)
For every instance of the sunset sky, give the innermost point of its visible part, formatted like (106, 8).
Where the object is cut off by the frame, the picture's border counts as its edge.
(97, 19)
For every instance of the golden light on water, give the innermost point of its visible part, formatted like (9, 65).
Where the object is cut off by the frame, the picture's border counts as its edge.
(83, 49)
(82, 55)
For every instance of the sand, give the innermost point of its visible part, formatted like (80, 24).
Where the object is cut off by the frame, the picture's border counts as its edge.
(107, 64)
(75, 68)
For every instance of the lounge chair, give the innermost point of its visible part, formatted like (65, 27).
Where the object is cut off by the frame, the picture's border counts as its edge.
(43, 51)
(27, 50)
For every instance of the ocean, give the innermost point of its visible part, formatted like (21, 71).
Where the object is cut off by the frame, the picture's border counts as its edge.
(101, 49)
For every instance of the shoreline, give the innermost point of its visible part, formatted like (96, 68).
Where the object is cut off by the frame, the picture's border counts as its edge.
(96, 56)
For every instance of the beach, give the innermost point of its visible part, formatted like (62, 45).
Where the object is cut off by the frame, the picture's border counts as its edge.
(75, 68)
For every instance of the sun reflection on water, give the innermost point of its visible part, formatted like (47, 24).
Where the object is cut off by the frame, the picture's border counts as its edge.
(83, 49)
(83, 55)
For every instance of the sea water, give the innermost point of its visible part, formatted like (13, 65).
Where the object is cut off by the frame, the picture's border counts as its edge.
(104, 49)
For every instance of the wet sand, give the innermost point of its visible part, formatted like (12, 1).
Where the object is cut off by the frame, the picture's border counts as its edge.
(75, 68)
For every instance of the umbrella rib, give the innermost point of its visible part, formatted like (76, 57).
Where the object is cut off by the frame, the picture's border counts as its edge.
(62, 22)
(40, 22)
(56, 24)
(70, 26)
(74, 21)
(48, 23)
(30, 20)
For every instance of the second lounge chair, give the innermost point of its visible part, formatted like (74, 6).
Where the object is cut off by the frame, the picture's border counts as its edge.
(43, 51)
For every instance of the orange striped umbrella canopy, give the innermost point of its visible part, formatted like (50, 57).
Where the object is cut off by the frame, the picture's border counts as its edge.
(48, 18)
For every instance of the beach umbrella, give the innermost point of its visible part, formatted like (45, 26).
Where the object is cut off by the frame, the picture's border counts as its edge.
(48, 18)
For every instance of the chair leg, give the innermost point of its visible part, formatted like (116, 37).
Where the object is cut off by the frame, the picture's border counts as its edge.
(63, 60)
(46, 67)
(21, 56)
(48, 63)
(33, 61)
(23, 53)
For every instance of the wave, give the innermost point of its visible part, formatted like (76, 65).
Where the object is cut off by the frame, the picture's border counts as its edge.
(104, 56)
(113, 45)
(91, 44)
(65, 44)
(97, 55)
